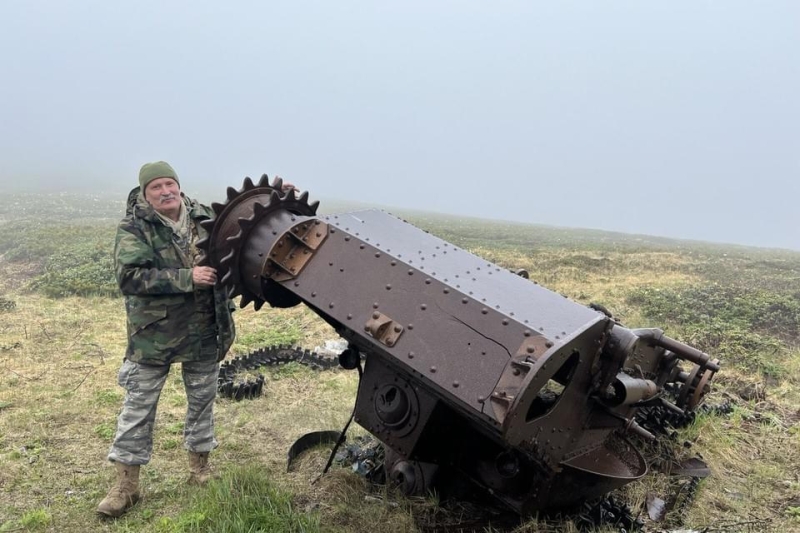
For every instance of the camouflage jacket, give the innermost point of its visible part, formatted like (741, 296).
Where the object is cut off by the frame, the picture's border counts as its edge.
(161, 301)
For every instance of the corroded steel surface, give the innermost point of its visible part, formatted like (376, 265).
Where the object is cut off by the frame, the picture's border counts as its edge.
(471, 371)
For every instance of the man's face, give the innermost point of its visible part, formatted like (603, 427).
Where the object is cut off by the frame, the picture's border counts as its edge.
(164, 194)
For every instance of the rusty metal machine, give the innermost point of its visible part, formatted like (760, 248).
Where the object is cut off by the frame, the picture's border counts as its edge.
(470, 370)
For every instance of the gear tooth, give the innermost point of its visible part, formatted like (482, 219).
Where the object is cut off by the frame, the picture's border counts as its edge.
(258, 304)
(258, 210)
(244, 301)
(234, 237)
(277, 184)
(232, 193)
(248, 183)
(207, 224)
(264, 181)
(227, 259)
(217, 207)
(231, 291)
(303, 197)
(226, 278)
(314, 206)
(246, 223)
(290, 195)
(274, 197)
(202, 243)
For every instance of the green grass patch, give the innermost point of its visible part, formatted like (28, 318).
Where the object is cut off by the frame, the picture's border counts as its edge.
(105, 430)
(243, 500)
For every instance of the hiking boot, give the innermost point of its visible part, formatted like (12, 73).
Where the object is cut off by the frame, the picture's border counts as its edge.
(123, 494)
(199, 470)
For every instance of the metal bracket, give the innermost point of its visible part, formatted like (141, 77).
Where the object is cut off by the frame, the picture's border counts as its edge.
(383, 329)
(294, 249)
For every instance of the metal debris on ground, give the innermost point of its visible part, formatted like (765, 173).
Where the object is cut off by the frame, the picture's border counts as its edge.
(365, 457)
(229, 387)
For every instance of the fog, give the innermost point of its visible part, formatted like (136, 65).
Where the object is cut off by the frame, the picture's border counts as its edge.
(678, 119)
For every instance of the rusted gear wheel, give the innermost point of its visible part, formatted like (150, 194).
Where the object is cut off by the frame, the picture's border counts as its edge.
(234, 219)
(696, 386)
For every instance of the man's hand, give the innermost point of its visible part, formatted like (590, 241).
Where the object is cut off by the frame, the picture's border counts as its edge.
(204, 276)
(287, 186)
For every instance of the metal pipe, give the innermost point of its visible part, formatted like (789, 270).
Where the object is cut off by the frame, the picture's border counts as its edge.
(656, 337)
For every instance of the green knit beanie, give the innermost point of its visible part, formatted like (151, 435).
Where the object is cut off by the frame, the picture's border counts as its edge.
(151, 171)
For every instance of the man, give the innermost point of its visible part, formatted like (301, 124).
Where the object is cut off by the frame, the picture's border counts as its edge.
(175, 315)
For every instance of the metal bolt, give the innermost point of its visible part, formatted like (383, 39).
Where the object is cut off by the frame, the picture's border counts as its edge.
(530, 349)
(376, 315)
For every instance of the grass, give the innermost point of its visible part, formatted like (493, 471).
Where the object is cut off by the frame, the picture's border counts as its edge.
(62, 338)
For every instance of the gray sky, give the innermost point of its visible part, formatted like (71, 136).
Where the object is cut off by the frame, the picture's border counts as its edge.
(679, 119)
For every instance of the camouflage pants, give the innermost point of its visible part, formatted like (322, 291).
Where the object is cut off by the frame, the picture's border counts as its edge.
(133, 443)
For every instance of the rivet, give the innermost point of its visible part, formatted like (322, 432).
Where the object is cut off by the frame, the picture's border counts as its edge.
(313, 294)
(393, 263)
(464, 300)
(530, 349)
(411, 355)
(411, 326)
(549, 344)
(347, 238)
(361, 246)
(349, 316)
(319, 234)
(377, 254)
(375, 305)
(527, 333)
(398, 329)
(515, 371)
(423, 307)
(428, 281)
(296, 283)
(388, 286)
(376, 315)
(505, 321)
(330, 305)
(447, 291)
(456, 384)
(484, 311)
(260, 254)
(410, 272)
(433, 370)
